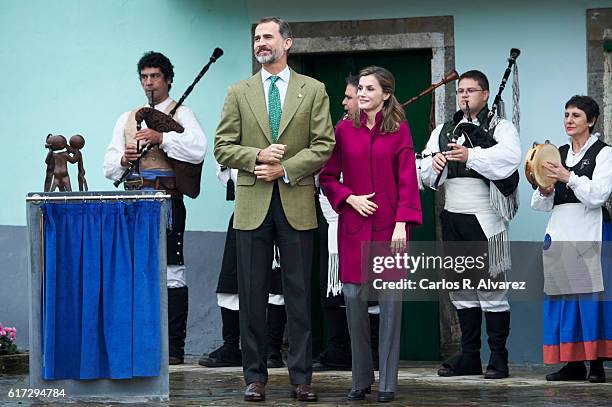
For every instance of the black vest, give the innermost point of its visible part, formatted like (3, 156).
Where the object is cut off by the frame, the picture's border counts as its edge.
(584, 167)
(482, 136)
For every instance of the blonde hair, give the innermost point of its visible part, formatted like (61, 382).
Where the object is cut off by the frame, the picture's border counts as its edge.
(392, 111)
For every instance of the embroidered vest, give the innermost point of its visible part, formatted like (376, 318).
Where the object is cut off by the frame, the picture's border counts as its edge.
(457, 169)
(481, 137)
(156, 158)
(584, 167)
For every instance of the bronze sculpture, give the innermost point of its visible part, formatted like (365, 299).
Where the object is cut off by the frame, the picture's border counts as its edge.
(60, 154)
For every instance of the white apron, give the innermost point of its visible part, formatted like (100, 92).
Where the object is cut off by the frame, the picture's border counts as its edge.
(572, 250)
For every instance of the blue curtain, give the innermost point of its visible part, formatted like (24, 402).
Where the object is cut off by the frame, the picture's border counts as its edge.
(101, 290)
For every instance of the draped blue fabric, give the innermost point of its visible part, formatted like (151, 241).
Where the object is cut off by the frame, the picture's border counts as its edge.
(101, 290)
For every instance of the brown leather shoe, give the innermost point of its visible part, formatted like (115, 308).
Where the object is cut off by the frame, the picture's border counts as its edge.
(255, 391)
(304, 392)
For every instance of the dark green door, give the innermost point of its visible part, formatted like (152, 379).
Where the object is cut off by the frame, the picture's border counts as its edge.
(412, 71)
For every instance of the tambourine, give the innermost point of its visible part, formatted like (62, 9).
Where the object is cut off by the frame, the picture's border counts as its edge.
(536, 156)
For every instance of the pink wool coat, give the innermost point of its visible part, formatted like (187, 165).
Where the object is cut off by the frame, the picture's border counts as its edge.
(370, 161)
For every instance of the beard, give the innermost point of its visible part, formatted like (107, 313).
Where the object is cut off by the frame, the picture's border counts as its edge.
(271, 57)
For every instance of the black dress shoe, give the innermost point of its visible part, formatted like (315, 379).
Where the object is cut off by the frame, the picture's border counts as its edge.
(446, 371)
(385, 396)
(569, 372)
(304, 392)
(596, 372)
(359, 394)
(495, 374)
(255, 391)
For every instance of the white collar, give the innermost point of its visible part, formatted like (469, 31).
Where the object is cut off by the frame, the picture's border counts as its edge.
(592, 139)
(474, 121)
(163, 105)
(283, 75)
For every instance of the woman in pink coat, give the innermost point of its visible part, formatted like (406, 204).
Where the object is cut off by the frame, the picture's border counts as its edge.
(377, 200)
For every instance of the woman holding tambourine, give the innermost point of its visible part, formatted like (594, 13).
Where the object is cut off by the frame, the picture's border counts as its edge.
(577, 266)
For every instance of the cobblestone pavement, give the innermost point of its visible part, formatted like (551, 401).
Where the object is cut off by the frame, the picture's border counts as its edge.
(193, 385)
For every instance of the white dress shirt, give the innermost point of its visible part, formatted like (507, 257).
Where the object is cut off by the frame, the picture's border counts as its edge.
(281, 83)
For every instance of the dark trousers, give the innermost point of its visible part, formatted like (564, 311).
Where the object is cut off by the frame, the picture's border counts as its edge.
(178, 298)
(464, 227)
(254, 259)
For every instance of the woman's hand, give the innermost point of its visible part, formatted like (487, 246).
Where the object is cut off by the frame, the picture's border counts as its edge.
(556, 171)
(398, 240)
(546, 191)
(362, 204)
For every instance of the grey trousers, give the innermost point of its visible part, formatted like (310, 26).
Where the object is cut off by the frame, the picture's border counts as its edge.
(356, 299)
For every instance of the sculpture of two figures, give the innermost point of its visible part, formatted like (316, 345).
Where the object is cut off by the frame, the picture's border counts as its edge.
(60, 154)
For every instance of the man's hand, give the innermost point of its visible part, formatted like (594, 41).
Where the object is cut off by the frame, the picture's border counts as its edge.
(271, 154)
(457, 153)
(438, 163)
(269, 172)
(556, 171)
(362, 204)
(130, 154)
(149, 136)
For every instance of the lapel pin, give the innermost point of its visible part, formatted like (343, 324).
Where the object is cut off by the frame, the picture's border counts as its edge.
(299, 95)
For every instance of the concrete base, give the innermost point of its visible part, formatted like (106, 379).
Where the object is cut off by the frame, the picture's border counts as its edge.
(418, 385)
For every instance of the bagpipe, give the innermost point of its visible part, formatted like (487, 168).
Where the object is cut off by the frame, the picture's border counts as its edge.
(479, 135)
(188, 175)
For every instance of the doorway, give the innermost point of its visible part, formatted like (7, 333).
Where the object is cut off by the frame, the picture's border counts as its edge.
(420, 338)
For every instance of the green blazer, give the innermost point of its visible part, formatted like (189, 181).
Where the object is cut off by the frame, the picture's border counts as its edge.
(305, 128)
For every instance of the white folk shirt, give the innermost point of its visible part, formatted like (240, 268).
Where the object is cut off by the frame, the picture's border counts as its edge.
(575, 267)
(189, 146)
(471, 195)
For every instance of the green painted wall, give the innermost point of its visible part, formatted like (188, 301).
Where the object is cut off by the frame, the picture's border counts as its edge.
(69, 66)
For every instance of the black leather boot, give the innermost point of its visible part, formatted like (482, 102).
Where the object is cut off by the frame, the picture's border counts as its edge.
(467, 362)
(498, 329)
(178, 306)
(337, 356)
(597, 373)
(275, 322)
(229, 353)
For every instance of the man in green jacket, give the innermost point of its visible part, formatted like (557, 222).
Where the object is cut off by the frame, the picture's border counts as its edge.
(276, 130)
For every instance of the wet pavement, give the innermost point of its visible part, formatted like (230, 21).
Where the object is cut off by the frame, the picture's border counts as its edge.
(193, 385)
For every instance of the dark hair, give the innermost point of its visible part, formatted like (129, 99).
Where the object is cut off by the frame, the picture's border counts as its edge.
(588, 105)
(392, 112)
(283, 27)
(478, 76)
(352, 80)
(154, 59)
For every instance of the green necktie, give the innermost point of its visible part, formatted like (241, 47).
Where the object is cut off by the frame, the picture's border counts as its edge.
(274, 107)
